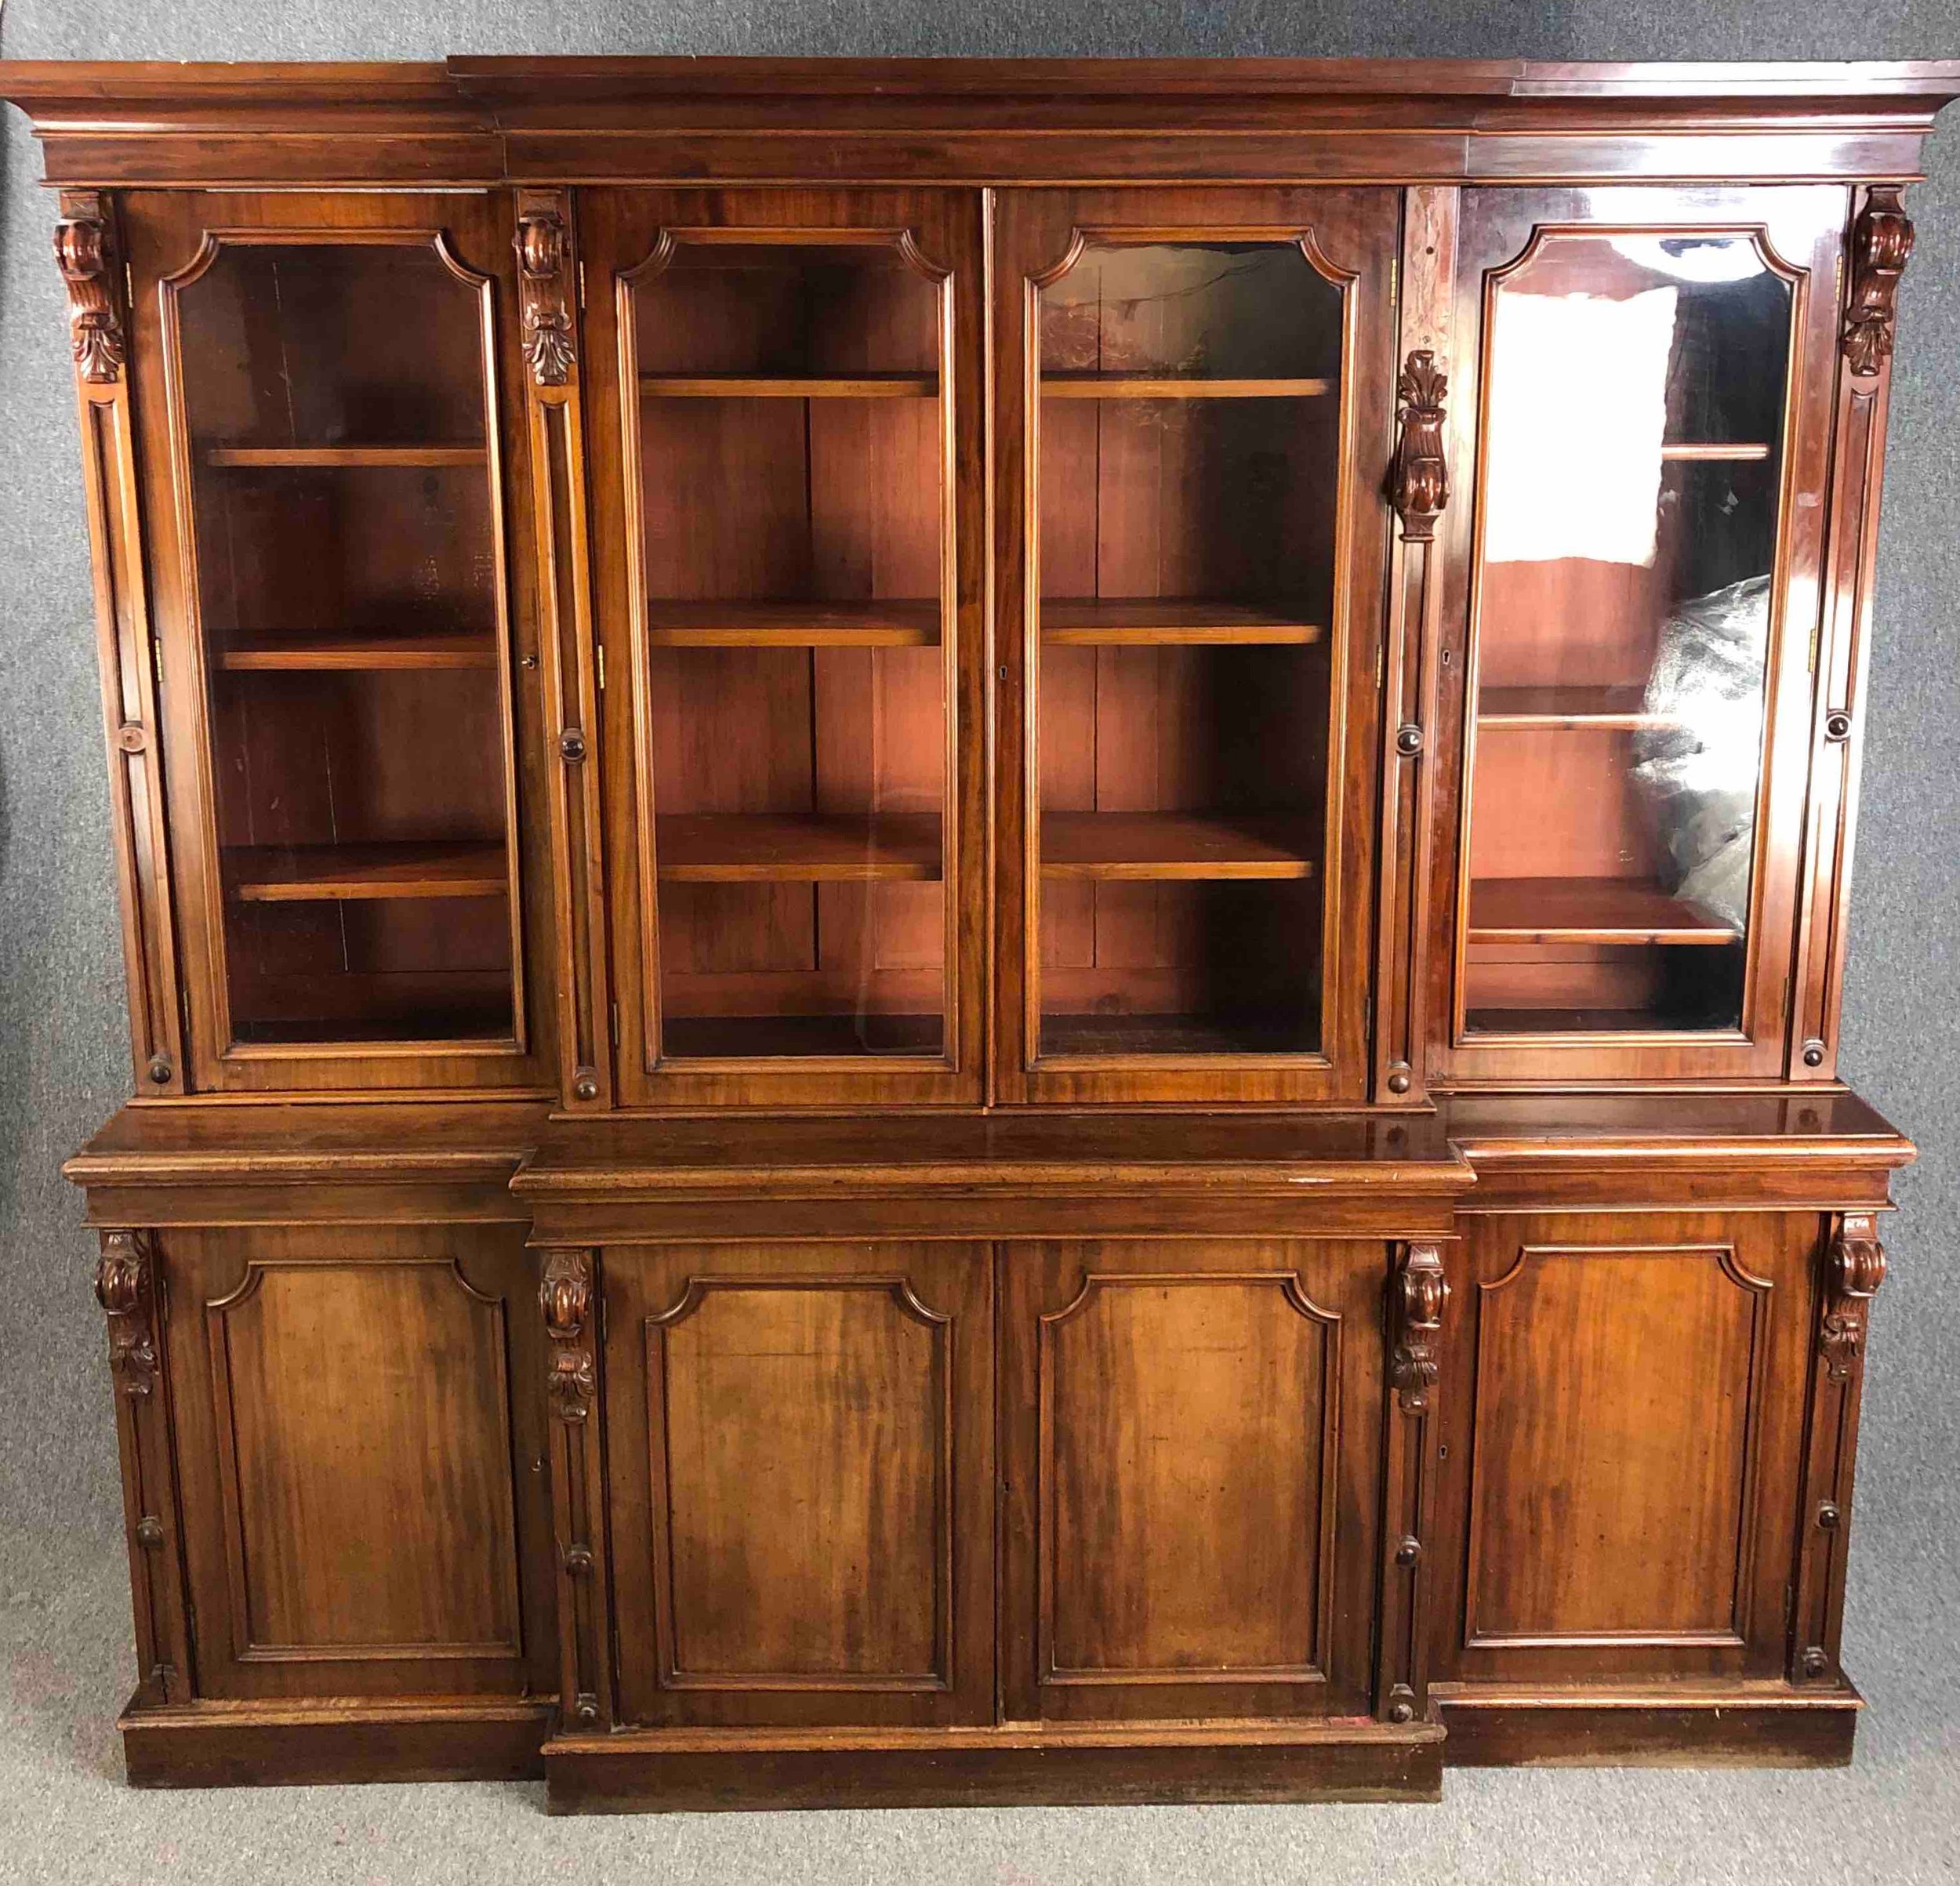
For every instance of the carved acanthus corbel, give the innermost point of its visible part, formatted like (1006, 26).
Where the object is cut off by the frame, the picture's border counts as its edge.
(95, 323)
(1421, 473)
(564, 1295)
(1880, 247)
(1422, 1291)
(1855, 1269)
(125, 1287)
(544, 251)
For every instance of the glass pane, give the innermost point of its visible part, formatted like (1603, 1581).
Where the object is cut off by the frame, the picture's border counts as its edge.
(1633, 443)
(1190, 452)
(338, 415)
(793, 454)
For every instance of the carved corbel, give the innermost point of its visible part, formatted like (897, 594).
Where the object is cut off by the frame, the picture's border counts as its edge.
(1421, 481)
(1855, 1269)
(82, 251)
(125, 1288)
(565, 1296)
(1881, 245)
(543, 252)
(1422, 1292)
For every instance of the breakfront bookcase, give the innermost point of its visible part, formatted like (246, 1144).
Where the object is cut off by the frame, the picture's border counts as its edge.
(984, 920)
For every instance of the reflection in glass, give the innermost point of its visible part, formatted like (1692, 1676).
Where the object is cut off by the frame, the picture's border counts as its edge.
(1634, 422)
(1189, 445)
(792, 454)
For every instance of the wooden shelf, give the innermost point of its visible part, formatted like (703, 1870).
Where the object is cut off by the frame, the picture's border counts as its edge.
(1176, 386)
(1737, 455)
(767, 848)
(1168, 846)
(1586, 910)
(1541, 708)
(313, 874)
(909, 623)
(791, 387)
(1129, 621)
(1109, 1035)
(358, 653)
(402, 457)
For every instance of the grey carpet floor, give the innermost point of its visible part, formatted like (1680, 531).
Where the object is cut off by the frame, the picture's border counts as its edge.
(66, 1815)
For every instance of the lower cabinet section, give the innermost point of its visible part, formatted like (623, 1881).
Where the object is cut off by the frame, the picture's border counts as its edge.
(895, 1520)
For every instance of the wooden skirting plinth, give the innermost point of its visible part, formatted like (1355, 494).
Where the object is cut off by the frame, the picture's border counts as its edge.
(699, 1772)
(1746, 1725)
(230, 1744)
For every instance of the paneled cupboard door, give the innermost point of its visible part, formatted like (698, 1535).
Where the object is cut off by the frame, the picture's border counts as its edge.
(787, 437)
(1645, 379)
(1192, 1442)
(345, 646)
(1194, 403)
(800, 1444)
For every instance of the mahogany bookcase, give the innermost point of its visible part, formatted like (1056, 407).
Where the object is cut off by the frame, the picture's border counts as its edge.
(984, 919)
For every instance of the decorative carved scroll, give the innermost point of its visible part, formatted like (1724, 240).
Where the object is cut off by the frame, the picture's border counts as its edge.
(542, 252)
(1422, 1291)
(1881, 245)
(125, 1288)
(567, 1297)
(95, 323)
(1856, 1268)
(1421, 473)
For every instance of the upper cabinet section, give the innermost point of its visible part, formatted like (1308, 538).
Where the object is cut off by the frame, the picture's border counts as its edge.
(784, 597)
(337, 645)
(1654, 375)
(1192, 535)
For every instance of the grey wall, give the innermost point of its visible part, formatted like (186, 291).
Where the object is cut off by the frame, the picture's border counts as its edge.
(64, 1056)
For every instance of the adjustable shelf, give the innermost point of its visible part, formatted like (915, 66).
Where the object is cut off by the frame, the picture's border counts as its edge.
(1176, 386)
(350, 654)
(1168, 621)
(313, 874)
(810, 847)
(907, 623)
(405, 458)
(1586, 910)
(791, 387)
(1549, 707)
(1174, 845)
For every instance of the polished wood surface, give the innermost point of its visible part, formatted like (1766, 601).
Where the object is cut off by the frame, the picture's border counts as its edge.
(906, 1033)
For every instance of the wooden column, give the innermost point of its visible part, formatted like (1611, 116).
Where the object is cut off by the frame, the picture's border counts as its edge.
(547, 279)
(88, 252)
(568, 1298)
(1418, 1293)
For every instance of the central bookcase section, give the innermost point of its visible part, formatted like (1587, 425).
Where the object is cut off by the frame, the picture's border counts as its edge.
(1189, 445)
(785, 410)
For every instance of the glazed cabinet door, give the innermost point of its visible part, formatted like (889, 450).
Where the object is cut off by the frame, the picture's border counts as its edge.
(788, 444)
(800, 1461)
(1192, 1434)
(1644, 383)
(1623, 1419)
(343, 645)
(1194, 416)
(358, 1435)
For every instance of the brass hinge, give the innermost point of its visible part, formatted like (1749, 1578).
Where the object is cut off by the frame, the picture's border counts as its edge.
(1395, 277)
(599, 650)
(582, 285)
(616, 1025)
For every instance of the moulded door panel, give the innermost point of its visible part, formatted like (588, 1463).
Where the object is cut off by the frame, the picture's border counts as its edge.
(1193, 1435)
(1624, 1401)
(800, 1454)
(355, 1441)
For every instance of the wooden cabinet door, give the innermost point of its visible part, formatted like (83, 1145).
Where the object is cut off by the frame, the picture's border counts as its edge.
(1641, 417)
(1623, 1401)
(1195, 405)
(345, 644)
(1192, 1434)
(360, 1460)
(800, 1471)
